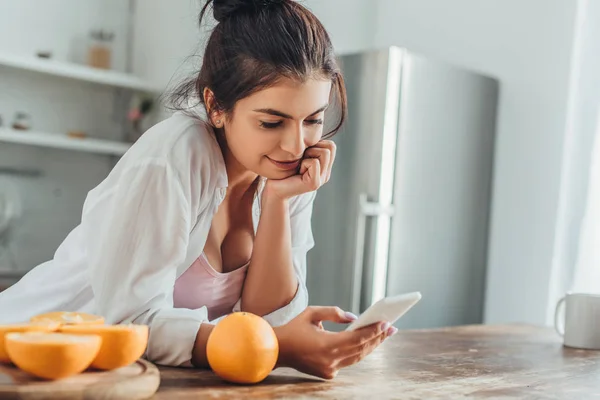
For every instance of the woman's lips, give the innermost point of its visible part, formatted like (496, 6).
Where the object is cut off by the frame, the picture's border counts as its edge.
(286, 165)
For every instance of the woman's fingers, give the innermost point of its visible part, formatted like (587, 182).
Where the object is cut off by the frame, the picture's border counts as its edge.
(348, 348)
(333, 150)
(310, 169)
(350, 343)
(325, 151)
(324, 157)
(328, 144)
(333, 314)
(361, 351)
(357, 338)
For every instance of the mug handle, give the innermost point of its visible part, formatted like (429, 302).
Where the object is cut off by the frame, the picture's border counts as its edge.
(559, 326)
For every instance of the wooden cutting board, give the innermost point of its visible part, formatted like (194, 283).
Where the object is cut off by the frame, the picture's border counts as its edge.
(140, 380)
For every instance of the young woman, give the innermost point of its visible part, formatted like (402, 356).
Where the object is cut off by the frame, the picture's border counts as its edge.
(209, 212)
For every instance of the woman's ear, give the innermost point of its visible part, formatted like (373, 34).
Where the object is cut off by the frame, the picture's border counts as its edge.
(216, 117)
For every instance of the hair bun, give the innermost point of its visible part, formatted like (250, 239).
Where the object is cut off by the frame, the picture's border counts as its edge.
(225, 9)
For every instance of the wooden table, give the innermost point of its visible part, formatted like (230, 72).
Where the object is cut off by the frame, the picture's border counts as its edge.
(489, 362)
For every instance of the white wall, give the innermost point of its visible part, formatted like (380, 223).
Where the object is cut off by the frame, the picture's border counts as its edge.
(527, 46)
(52, 202)
(350, 23)
(168, 42)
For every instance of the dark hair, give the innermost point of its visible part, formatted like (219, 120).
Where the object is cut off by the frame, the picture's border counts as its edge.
(254, 44)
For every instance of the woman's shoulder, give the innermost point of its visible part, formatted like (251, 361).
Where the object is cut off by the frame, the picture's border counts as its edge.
(183, 142)
(181, 152)
(178, 135)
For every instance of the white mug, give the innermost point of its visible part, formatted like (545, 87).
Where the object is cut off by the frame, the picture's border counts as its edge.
(581, 326)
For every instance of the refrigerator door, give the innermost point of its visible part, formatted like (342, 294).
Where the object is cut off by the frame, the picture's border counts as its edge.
(346, 210)
(443, 176)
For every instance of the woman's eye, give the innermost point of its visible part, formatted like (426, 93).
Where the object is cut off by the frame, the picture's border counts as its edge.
(314, 121)
(270, 125)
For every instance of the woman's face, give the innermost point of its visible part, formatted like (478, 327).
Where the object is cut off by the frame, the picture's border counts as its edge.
(270, 130)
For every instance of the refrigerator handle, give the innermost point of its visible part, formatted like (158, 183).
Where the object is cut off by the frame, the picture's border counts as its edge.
(365, 209)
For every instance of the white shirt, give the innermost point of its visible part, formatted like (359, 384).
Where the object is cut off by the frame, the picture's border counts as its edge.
(141, 228)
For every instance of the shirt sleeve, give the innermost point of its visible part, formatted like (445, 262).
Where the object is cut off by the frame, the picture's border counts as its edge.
(139, 238)
(302, 241)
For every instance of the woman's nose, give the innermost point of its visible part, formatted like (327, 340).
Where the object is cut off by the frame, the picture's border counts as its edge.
(293, 141)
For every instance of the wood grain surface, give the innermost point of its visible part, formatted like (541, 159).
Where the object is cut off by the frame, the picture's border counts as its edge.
(478, 362)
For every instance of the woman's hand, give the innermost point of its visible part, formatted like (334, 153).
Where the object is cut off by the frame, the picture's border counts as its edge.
(315, 171)
(305, 346)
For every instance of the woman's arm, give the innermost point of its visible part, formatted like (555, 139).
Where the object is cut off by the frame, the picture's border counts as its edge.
(271, 282)
(278, 266)
(199, 358)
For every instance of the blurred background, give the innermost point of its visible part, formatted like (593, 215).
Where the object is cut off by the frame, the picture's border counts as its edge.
(469, 168)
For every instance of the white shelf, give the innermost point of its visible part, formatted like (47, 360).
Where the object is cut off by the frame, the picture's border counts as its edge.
(78, 72)
(57, 141)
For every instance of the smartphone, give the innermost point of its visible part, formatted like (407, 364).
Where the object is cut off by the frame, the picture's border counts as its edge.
(388, 309)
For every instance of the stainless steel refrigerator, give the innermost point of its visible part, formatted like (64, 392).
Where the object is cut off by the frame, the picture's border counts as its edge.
(408, 203)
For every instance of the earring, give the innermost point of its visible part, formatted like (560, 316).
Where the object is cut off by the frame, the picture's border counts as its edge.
(218, 123)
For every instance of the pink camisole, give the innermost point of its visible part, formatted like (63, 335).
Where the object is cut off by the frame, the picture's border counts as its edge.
(200, 285)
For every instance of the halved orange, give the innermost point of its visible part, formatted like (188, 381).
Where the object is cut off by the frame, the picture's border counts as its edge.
(121, 344)
(52, 355)
(69, 318)
(46, 326)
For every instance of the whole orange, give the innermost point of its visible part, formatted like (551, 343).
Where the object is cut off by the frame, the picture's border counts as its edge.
(242, 348)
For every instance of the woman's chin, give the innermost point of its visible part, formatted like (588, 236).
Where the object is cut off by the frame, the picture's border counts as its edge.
(278, 174)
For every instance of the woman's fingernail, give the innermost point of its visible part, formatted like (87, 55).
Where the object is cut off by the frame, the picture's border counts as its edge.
(350, 316)
(392, 331)
(385, 326)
